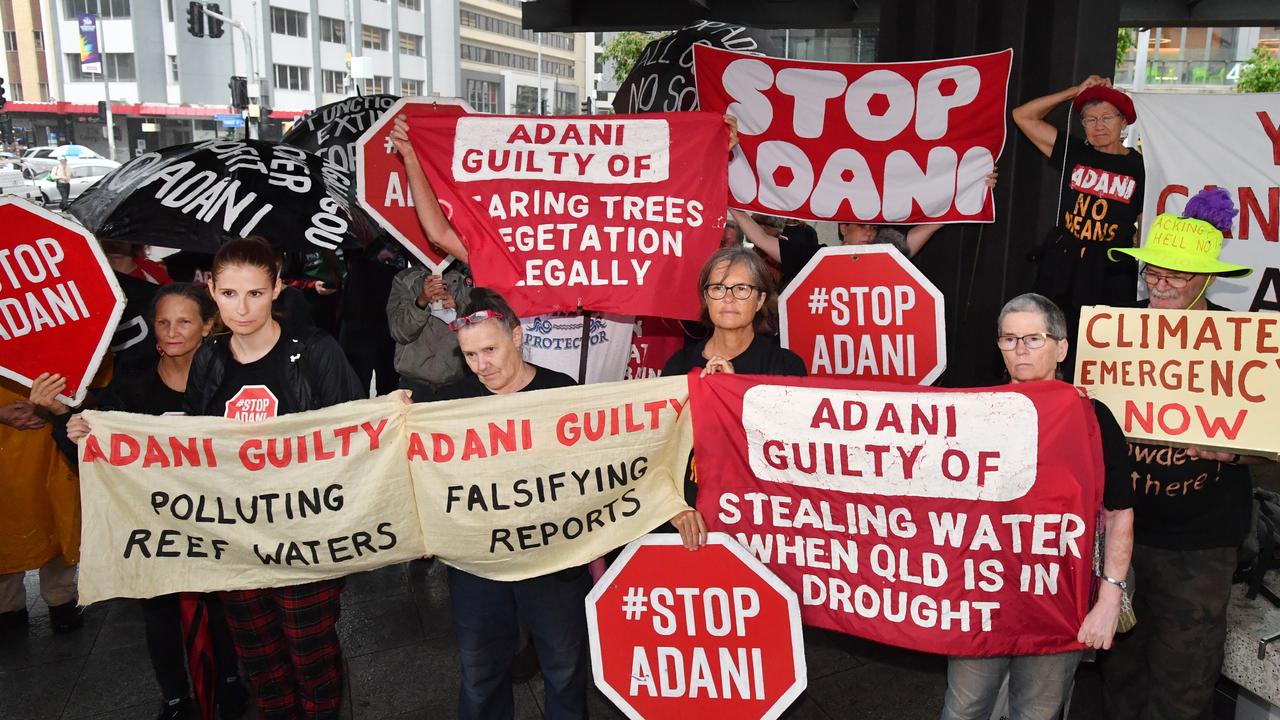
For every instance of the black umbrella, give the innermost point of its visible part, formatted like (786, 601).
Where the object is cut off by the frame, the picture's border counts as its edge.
(332, 130)
(195, 196)
(662, 78)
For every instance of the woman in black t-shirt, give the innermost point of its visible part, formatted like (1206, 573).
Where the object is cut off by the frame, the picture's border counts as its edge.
(1100, 202)
(1032, 339)
(287, 636)
(739, 304)
(181, 316)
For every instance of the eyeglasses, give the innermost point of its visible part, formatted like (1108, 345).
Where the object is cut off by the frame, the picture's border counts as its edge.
(474, 318)
(1104, 119)
(741, 291)
(1177, 282)
(1034, 341)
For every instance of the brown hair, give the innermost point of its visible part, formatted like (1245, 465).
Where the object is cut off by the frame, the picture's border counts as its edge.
(252, 251)
(767, 319)
(200, 296)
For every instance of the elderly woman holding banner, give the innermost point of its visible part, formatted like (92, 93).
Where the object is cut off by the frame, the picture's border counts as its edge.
(1031, 335)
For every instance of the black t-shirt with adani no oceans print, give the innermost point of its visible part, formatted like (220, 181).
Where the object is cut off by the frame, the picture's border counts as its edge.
(1101, 192)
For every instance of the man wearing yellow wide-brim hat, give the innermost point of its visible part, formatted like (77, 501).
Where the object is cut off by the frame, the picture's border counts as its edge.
(1193, 506)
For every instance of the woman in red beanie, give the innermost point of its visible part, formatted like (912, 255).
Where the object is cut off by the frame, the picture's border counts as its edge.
(1100, 198)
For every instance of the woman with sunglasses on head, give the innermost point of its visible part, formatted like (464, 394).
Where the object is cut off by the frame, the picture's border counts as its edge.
(1031, 335)
(286, 636)
(181, 316)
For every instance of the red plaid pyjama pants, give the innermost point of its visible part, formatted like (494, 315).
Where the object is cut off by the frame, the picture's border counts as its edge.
(287, 639)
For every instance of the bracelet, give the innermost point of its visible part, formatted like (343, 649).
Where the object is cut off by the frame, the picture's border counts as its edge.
(1118, 583)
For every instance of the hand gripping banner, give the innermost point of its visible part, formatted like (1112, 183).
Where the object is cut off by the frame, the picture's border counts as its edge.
(949, 521)
(866, 143)
(615, 213)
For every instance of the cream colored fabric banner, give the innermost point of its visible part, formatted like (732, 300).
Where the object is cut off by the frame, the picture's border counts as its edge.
(198, 504)
(1185, 377)
(516, 486)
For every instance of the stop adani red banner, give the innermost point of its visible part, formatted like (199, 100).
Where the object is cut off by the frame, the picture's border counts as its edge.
(866, 143)
(615, 214)
(958, 522)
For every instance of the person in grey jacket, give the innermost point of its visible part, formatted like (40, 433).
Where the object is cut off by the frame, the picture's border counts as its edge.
(419, 310)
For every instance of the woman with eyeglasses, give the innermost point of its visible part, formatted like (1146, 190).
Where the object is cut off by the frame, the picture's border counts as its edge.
(1099, 197)
(1031, 336)
(739, 304)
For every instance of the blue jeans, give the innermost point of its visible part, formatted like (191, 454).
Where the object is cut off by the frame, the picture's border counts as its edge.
(1038, 685)
(487, 614)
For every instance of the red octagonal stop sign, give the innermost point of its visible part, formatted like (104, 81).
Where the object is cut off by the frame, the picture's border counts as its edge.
(866, 311)
(59, 301)
(706, 634)
(381, 185)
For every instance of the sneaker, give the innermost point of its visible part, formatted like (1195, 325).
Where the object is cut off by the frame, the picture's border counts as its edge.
(14, 619)
(66, 617)
(233, 700)
(177, 709)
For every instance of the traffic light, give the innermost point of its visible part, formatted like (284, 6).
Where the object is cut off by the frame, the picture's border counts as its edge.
(3, 99)
(586, 107)
(195, 19)
(102, 111)
(215, 25)
(239, 92)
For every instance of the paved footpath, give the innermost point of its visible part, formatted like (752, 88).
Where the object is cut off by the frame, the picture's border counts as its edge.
(402, 663)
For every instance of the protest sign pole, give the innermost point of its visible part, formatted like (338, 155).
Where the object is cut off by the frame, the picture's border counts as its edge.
(586, 344)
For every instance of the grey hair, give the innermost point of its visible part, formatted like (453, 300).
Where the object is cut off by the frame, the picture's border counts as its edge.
(1055, 323)
(1091, 103)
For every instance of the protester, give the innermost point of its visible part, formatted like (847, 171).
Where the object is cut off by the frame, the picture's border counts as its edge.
(363, 331)
(182, 315)
(130, 259)
(419, 310)
(740, 305)
(488, 613)
(286, 636)
(1185, 541)
(1031, 335)
(1100, 194)
(39, 516)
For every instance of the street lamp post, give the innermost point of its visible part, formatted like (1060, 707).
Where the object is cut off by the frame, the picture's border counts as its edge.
(106, 84)
(248, 47)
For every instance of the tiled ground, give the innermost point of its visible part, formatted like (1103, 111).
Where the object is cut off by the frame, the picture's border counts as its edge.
(402, 663)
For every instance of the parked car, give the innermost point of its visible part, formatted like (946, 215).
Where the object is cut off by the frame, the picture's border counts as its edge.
(83, 174)
(14, 182)
(43, 158)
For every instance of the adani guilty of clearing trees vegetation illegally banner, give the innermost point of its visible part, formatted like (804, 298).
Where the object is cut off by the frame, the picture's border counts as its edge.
(958, 522)
(869, 143)
(615, 214)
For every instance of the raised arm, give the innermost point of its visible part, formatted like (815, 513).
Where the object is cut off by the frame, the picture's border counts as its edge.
(1029, 117)
(757, 236)
(430, 215)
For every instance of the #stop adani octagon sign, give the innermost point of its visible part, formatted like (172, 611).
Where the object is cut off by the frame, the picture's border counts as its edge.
(382, 186)
(865, 311)
(705, 634)
(59, 301)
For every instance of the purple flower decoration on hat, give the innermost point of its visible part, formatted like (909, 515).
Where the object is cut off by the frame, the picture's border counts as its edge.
(1214, 206)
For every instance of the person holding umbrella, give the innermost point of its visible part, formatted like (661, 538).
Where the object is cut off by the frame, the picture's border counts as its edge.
(61, 176)
(182, 315)
(286, 636)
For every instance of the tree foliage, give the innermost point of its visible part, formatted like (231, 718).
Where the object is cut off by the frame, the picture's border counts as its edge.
(624, 50)
(1260, 73)
(1124, 42)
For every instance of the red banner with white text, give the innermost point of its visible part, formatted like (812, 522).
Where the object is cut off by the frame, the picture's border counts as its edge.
(951, 521)
(614, 213)
(860, 142)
